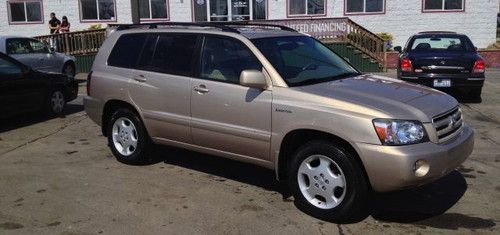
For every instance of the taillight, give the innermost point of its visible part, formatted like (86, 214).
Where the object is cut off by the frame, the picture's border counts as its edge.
(89, 78)
(406, 65)
(479, 66)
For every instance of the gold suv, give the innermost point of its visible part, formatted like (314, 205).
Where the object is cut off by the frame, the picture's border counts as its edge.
(270, 96)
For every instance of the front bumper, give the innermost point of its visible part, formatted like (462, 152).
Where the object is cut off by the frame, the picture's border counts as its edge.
(391, 168)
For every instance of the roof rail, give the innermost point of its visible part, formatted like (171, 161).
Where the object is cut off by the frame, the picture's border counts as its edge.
(441, 32)
(186, 24)
(248, 23)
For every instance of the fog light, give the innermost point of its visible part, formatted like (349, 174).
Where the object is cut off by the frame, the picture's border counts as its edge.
(421, 168)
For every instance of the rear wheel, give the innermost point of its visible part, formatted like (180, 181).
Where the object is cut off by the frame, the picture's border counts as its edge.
(127, 137)
(56, 103)
(327, 182)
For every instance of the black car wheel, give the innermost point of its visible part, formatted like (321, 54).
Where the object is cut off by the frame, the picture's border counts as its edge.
(56, 103)
(127, 137)
(327, 182)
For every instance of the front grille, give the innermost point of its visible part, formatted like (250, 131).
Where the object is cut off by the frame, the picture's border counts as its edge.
(448, 125)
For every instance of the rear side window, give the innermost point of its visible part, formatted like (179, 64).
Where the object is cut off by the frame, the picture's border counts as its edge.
(440, 43)
(172, 54)
(127, 50)
(19, 46)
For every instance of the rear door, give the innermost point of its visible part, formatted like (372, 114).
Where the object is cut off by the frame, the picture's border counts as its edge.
(47, 60)
(161, 84)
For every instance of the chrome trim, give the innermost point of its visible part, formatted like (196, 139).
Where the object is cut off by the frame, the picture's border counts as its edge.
(475, 79)
(409, 77)
(448, 125)
(432, 67)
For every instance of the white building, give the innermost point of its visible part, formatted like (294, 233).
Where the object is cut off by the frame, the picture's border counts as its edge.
(401, 18)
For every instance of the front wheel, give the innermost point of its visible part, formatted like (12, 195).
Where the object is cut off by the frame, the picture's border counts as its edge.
(69, 70)
(327, 182)
(127, 137)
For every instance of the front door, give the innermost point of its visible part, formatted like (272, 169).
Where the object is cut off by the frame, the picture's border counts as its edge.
(225, 115)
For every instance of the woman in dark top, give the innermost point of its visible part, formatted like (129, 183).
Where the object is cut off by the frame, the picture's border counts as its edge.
(65, 25)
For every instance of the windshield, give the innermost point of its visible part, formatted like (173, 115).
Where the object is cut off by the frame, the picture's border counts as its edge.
(439, 43)
(302, 60)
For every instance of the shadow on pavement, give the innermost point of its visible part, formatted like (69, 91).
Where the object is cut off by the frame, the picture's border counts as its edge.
(24, 120)
(422, 206)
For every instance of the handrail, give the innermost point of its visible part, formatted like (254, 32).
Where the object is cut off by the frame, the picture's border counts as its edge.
(76, 43)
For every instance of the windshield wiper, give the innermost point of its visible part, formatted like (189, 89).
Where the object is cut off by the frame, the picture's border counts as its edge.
(326, 79)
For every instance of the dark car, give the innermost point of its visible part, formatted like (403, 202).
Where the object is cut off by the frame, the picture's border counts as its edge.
(446, 61)
(23, 89)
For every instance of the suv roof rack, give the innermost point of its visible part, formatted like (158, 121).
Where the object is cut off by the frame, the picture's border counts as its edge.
(224, 26)
(440, 32)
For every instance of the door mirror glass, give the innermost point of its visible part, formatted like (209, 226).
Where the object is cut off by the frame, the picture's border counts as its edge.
(253, 78)
(52, 50)
(398, 49)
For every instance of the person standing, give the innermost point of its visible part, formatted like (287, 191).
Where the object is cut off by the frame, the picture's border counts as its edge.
(54, 25)
(65, 25)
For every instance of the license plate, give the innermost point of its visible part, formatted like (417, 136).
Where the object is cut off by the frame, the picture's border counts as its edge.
(442, 83)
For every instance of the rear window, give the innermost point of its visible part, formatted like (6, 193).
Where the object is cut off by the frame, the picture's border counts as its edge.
(440, 43)
(127, 50)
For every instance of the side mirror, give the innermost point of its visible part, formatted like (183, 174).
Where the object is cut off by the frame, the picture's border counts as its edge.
(253, 78)
(347, 59)
(52, 50)
(398, 49)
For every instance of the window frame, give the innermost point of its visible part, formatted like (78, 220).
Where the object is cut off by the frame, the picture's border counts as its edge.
(9, 12)
(384, 6)
(80, 8)
(306, 15)
(198, 60)
(442, 10)
(167, 8)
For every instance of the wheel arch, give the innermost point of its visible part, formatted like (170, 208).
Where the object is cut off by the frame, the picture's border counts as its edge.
(298, 137)
(111, 106)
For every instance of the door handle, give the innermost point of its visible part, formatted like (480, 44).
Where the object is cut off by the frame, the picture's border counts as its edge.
(140, 78)
(201, 89)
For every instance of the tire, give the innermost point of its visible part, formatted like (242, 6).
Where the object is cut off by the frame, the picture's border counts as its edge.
(69, 70)
(474, 95)
(56, 103)
(128, 138)
(351, 195)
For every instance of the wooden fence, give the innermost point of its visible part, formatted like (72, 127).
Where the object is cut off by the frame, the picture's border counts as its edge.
(76, 43)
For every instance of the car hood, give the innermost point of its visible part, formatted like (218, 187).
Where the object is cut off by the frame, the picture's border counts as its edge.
(394, 97)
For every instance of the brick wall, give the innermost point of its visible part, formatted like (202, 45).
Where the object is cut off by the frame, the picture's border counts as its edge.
(491, 57)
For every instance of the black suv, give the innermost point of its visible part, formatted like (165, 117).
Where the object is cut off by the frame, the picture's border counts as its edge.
(443, 60)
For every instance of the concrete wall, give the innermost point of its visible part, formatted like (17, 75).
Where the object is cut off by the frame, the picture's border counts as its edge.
(402, 18)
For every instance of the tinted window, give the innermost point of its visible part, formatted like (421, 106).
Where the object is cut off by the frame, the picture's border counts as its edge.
(127, 50)
(38, 47)
(173, 54)
(223, 59)
(19, 46)
(440, 43)
(8, 68)
(302, 60)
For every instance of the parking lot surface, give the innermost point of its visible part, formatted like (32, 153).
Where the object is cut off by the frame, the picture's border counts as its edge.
(57, 176)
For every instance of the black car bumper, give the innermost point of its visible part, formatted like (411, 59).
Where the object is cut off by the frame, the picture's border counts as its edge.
(71, 91)
(460, 83)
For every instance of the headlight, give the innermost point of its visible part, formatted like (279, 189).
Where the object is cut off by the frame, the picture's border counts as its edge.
(399, 132)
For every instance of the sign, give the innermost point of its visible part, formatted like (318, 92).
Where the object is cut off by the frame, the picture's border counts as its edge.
(318, 28)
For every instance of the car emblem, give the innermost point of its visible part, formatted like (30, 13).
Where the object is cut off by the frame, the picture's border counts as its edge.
(442, 62)
(452, 122)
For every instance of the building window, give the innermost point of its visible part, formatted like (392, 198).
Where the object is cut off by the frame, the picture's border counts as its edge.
(364, 6)
(153, 10)
(306, 7)
(443, 5)
(97, 10)
(29, 11)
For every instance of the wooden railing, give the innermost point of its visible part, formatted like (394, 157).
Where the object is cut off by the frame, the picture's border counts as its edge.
(366, 42)
(76, 43)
